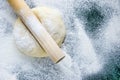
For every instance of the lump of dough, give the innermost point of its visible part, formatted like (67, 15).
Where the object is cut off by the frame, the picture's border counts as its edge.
(53, 23)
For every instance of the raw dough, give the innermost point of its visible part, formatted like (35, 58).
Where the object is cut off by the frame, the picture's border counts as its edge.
(51, 20)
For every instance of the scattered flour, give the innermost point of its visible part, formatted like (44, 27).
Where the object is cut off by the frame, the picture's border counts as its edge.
(81, 58)
(89, 61)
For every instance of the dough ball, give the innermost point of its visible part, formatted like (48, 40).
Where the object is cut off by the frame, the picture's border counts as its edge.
(51, 20)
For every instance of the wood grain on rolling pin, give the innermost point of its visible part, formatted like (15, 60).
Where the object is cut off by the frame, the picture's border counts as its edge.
(37, 30)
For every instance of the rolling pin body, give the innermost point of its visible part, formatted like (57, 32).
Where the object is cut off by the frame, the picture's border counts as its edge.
(37, 30)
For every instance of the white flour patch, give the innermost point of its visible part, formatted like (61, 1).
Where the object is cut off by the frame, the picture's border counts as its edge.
(81, 59)
(89, 62)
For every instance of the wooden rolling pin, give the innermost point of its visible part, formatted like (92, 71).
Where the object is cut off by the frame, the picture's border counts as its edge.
(37, 30)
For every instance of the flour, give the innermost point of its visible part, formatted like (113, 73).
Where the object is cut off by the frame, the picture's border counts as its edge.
(89, 60)
(85, 56)
(4, 75)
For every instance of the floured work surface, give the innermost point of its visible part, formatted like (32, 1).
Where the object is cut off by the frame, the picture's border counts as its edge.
(92, 43)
